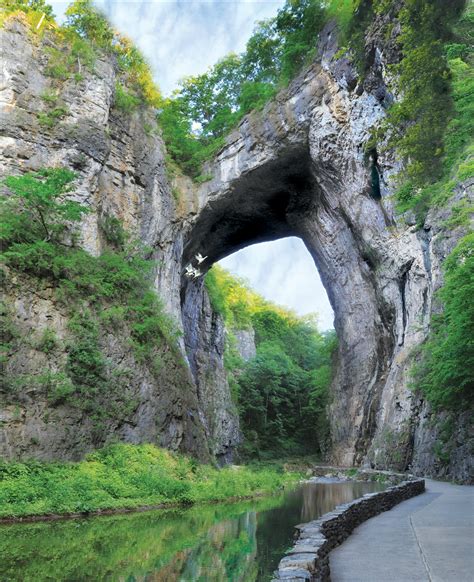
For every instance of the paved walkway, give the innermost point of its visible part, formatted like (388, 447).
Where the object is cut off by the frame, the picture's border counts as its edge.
(429, 538)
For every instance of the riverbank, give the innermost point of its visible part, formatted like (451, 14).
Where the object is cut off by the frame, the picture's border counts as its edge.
(309, 557)
(122, 478)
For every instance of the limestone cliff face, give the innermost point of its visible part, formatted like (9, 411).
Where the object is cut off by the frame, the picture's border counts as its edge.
(119, 161)
(297, 168)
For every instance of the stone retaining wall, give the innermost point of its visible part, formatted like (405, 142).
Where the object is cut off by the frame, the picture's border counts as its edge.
(309, 557)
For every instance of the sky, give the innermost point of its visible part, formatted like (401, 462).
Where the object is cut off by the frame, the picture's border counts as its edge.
(284, 272)
(184, 37)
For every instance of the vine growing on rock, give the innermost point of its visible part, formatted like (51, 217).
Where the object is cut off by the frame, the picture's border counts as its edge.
(445, 374)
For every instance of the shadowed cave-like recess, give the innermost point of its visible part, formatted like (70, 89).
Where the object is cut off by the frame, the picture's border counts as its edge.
(280, 199)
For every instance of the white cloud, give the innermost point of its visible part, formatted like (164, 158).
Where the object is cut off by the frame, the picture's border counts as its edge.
(181, 38)
(284, 272)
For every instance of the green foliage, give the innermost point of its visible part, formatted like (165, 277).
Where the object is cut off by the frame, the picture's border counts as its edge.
(28, 5)
(57, 66)
(32, 12)
(38, 208)
(86, 365)
(113, 231)
(38, 221)
(50, 97)
(282, 393)
(138, 545)
(51, 117)
(69, 59)
(48, 341)
(84, 18)
(445, 374)
(297, 25)
(125, 476)
(432, 125)
(206, 107)
(8, 338)
(124, 100)
(136, 86)
(77, 44)
(418, 121)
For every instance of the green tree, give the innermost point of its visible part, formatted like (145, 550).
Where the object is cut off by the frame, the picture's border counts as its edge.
(38, 207)
(206, 107)
(89, 22)
(298, 24)
(282, 393)
(262, 56)
(29, 5)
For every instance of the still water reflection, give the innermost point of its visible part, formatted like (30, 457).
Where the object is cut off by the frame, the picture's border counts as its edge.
(240, 542)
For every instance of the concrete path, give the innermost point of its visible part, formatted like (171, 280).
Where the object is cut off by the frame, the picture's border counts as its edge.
(429, 538)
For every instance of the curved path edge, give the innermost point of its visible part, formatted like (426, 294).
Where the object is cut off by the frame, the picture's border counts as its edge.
(429, 538)
(308, 559)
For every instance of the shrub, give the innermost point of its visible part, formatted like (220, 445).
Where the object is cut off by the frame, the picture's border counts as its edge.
(48, 341)
(50, 118)
(38, 236)
(125, 100)
(126, 476)
(445, 374)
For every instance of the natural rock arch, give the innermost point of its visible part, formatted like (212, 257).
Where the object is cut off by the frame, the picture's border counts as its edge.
(299, 169)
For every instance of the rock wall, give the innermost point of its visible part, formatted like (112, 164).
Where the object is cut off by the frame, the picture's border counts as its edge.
(119, 162)
(297, 168)
(205, 345)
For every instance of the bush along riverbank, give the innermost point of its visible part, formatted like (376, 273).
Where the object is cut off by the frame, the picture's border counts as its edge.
(123, 476)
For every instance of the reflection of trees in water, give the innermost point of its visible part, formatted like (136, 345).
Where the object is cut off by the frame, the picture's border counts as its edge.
(227, 552)
(320, 498)
(240, 542)
(151, 547)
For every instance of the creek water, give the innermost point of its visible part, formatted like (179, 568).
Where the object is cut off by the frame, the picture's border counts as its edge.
(238, 542)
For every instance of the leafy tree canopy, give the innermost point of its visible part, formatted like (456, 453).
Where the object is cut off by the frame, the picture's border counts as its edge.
(282, 393)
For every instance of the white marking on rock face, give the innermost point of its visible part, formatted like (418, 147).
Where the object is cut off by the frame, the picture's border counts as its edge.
(6, 141)
(229, 168)
(6, 77)
(7, 98)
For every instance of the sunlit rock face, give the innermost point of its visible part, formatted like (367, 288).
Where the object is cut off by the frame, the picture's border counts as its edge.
(298, 168)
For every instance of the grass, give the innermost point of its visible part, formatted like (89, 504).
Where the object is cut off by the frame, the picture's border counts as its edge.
(52, 117)
(126, 476)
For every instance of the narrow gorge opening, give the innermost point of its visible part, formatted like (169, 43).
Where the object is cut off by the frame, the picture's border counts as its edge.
(260, 357)
(283, 272)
